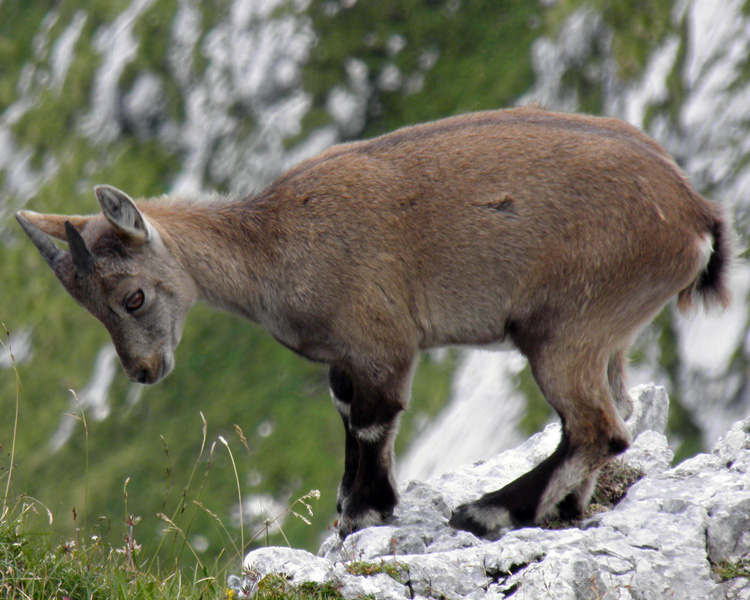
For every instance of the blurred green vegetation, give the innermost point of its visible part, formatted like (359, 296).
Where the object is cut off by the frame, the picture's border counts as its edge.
(481, 51)
(638, 27)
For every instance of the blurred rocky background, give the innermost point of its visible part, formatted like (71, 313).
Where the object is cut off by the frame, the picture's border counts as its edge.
(201, 96)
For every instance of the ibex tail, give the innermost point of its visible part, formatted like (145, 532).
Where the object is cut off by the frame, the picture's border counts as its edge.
(712, 285)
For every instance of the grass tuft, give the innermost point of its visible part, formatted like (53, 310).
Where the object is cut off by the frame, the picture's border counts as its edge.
(397, 571)
(277, 587)
(615, 479)
(727, 570)
(36, 561)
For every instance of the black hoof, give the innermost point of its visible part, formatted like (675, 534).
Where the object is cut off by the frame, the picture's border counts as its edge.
(462, 519)
(569, 509)
(344, 527)
(362, 519)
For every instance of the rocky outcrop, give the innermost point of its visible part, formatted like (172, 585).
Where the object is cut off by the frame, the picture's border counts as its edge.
(663, 540)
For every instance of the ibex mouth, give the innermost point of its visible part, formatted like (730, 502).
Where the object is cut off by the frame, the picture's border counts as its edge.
(154, 371)
(144, 377)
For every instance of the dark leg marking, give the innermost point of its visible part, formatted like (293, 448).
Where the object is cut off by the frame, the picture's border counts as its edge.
(373, 497)
(370, 496)
(577, 383)
(342, 389)
(515, 504)
(341, 384)
(574, 504)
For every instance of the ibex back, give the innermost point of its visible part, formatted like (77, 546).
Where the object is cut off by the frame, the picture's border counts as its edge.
(562, 234)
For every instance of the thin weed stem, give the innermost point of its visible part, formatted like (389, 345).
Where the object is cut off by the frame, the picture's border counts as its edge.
(86, 474)
(239, 491)
(15, 423)
(221, 529)
(182, 505)
(174, 527)
(169, 471)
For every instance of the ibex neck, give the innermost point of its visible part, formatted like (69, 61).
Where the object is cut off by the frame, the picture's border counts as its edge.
(220, 244)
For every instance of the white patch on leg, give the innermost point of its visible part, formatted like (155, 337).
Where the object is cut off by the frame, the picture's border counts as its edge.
(584, 492)
(371, 434)
(341, 497)
(344, 408)
(368, 518)
(492, 517)
(564, 480)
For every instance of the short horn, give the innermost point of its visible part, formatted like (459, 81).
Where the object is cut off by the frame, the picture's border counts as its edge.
(82, 257)
(49, 251)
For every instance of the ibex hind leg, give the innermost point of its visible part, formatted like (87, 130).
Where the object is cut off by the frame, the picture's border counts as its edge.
(592, 432)
(616, 379)
(517, 503)
(574, 504)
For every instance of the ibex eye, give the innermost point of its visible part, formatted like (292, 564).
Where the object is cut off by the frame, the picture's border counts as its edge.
(134, 301)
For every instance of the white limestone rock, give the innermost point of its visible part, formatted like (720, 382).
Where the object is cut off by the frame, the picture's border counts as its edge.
(298, 566)
(650, 409)
(661, 541)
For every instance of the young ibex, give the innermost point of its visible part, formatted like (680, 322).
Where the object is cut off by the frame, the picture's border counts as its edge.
(563, 234)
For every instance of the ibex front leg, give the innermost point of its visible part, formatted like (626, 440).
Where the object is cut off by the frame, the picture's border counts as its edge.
(342, 392)
(367, 494)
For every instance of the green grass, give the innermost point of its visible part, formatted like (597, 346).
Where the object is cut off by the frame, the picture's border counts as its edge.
(395, 570)
(727, 570)
(70, 555)
(276, 587)
(38, 561)
(35, 563)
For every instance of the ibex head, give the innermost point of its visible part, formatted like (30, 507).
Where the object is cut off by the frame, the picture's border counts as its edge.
(118, 268)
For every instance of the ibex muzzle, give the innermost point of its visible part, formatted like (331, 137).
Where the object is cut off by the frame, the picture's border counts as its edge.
(563, 234)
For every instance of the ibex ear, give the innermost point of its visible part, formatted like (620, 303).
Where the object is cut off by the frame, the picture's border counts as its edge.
(122, 212)
(54, 225)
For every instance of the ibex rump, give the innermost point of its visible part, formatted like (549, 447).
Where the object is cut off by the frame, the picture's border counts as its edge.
(563, 234)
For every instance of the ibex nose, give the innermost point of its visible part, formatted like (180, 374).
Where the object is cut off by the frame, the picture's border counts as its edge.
(154, 370)
(148, 371)
(148, 374)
